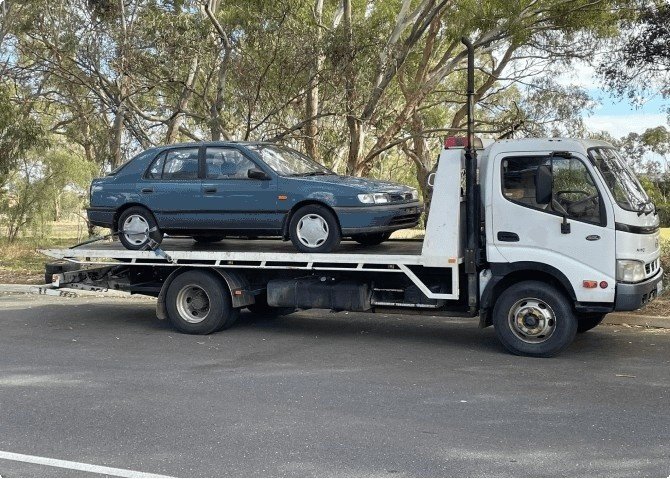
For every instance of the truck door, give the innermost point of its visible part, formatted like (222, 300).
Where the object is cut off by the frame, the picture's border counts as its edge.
(573, 233)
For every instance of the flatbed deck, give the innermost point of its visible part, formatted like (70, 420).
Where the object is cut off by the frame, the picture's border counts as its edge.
(230, 251)
(393, 256)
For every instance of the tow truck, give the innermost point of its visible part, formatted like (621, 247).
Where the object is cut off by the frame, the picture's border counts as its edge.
(540, 238)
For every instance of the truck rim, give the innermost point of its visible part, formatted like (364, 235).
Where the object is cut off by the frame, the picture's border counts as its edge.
(532, 320)
(136, 229)
(312, 230)
(193, 304)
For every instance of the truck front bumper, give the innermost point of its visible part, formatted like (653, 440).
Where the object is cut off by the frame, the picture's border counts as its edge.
(630, 297)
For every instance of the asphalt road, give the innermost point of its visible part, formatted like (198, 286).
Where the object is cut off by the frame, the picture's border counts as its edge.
(102, 381)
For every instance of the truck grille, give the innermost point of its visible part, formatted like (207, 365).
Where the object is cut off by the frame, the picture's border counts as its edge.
(651, 267)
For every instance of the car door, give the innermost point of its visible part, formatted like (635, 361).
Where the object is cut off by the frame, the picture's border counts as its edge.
(171, 188)
(233, 201)
(525, 231)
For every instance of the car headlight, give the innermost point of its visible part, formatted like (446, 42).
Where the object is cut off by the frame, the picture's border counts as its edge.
(629, 270)
(415, 194)
(374, 198)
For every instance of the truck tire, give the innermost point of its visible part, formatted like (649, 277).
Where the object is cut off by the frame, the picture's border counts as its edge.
(314, 229)
(262, 308)
(371, 239)
(137, 227)
(198, 302)
(533, 318)
(589, 321)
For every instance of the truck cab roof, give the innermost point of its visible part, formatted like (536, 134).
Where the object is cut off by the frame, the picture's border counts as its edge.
(541, 144)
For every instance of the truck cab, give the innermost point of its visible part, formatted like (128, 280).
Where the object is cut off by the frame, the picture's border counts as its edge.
(571, 214)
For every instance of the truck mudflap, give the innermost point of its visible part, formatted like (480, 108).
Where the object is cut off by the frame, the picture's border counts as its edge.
(630, 297)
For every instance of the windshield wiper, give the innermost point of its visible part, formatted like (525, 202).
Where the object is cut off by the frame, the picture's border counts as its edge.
(314, 173)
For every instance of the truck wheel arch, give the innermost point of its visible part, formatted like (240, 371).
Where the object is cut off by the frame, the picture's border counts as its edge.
(506, 274)
(237, 287)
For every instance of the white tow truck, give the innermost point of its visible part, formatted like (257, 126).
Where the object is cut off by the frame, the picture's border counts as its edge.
(538, 237)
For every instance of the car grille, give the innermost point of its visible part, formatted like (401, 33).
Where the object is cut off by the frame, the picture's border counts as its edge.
(651, 267)
(400, 197)
(404, 219)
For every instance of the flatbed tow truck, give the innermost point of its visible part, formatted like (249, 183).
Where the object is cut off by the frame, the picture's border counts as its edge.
(538, 237)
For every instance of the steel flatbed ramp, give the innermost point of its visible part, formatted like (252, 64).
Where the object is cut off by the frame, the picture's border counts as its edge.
(266, 251)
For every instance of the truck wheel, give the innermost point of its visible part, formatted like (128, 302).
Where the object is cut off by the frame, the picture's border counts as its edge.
(262, 308)
(208, 239)
(136, 227)
(588, 322)
(371, 239)
(314, 229)
(198, 302)
(532, 318)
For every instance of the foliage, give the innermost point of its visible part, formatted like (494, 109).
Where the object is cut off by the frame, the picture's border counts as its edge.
(43, 186)
(642, 58)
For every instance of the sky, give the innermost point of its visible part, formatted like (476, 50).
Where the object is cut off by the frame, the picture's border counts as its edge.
(617, 117)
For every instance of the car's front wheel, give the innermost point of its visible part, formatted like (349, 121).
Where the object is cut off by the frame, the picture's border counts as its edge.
(138, 229)
(314, 229)
(371, 239)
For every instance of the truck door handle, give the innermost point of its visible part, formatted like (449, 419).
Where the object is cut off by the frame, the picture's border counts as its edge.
(209, 191)
(508, 236)
(147, 190)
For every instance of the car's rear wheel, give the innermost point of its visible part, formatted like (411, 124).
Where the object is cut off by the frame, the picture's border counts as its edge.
(138, 229)
(371, 239)
(314, 229)
(208, 239)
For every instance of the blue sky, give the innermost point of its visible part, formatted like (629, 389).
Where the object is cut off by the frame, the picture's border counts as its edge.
(617, 117)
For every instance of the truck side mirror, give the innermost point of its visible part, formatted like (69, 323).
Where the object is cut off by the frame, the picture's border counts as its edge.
(543, 185)
(256, 174)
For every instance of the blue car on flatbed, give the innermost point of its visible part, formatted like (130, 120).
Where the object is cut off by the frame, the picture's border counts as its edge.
(215, 189)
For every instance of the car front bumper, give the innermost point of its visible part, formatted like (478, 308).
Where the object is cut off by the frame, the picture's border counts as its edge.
(630, 297)
(103, 217)
(378, 218)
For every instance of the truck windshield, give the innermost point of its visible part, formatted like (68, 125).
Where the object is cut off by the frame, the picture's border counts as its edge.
(620, 180)
(288, 162)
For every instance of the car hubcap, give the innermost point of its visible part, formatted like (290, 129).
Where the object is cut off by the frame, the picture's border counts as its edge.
(193, 304)
(532, 320)
(312, 230)
(136, 229)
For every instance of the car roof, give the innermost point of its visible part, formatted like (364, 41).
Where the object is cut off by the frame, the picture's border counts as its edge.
(214, 143)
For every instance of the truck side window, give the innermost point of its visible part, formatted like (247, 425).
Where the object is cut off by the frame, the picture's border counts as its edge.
(574, 192)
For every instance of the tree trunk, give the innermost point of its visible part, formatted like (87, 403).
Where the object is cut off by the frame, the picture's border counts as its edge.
(177, 120)
(312, 105)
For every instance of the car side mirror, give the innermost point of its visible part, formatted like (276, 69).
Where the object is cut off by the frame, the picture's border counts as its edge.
(256, 174)
(544, 180)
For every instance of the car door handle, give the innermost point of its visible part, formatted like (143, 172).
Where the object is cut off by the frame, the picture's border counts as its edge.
(508, 236)
(147, 190)
(210, 190)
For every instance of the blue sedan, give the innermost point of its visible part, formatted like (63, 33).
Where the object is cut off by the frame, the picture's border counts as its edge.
(212, 190)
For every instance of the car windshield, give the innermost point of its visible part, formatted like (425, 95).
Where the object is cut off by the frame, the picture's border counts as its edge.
(288, 162)
(620, 180)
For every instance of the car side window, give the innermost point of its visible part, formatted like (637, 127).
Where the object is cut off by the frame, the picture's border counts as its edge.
(574, 193)
(156, 169)
(227, 163)
(181, 164)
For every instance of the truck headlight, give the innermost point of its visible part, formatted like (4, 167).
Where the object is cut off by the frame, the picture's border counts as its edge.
(629, 270)
(415, 194)
(374, 198)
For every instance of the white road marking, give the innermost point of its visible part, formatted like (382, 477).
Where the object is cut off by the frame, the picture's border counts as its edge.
(77, 466)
